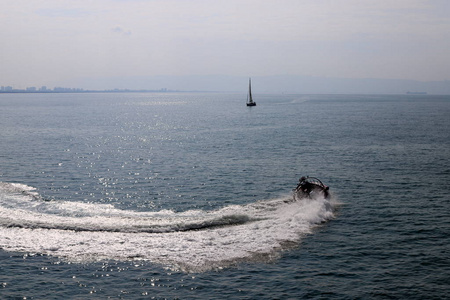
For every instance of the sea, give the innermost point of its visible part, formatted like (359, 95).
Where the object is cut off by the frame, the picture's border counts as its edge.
(189, 196)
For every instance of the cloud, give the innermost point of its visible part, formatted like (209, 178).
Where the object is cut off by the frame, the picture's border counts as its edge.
(120, 30)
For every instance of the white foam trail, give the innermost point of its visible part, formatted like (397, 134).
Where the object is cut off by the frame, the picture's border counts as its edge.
(192, 241)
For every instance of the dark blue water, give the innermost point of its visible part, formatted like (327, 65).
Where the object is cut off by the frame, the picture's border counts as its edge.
(188, 196)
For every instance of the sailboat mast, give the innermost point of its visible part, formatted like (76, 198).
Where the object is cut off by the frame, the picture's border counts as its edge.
(250, 90)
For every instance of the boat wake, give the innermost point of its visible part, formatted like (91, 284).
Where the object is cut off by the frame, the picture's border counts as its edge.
(190, 241)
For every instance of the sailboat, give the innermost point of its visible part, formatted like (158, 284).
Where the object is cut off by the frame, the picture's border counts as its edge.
(250, 101)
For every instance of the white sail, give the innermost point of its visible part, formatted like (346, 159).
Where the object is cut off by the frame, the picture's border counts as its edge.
(250, 101)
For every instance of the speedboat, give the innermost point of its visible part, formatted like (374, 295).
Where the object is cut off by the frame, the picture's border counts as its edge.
(310, 187)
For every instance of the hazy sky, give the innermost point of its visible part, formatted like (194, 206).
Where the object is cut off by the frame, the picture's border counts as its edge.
(45, 42)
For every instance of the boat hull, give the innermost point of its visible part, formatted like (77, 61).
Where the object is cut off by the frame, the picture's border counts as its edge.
(311, 194)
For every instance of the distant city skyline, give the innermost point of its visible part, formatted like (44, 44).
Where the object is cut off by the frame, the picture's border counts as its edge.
(101, 44)
(44, 89)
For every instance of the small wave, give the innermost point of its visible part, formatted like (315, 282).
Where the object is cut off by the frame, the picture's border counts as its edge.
(23, 208)
(18, 188)
(100, 224)
(192, 241)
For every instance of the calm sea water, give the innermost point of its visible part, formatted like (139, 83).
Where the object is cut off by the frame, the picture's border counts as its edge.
(187, 196)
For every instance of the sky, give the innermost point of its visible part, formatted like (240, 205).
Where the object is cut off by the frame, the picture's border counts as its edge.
(53, 42)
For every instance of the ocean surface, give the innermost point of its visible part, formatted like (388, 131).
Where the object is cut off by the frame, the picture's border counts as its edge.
(189, 196)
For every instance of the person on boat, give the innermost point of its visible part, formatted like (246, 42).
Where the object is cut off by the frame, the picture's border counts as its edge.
(326, 192)
(304, 185)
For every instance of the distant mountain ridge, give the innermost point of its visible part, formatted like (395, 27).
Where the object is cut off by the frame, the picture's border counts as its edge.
(267, 84)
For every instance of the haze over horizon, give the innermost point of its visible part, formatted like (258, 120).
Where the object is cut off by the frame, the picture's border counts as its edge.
(140, 44)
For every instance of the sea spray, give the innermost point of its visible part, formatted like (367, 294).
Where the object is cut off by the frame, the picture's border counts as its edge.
(193, 241)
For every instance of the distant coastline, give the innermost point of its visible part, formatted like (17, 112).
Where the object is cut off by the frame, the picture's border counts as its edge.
(10, 90)
(416, 93)
(276, 84)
